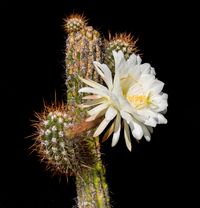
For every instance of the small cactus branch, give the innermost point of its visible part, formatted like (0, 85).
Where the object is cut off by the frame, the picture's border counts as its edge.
(124, 42)
(62, 154)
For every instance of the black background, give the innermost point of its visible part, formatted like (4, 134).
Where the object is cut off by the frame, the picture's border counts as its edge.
(156, 174)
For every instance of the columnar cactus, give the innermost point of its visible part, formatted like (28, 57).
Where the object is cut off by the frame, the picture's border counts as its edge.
(83, 46)
(130, 98)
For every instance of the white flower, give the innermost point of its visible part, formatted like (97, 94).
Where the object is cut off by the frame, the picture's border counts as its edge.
(141, 89)
(134, 96)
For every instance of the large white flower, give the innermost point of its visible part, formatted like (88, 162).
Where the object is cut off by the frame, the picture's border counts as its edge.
(134, 96)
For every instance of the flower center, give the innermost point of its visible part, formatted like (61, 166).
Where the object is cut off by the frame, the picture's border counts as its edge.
(139, 101)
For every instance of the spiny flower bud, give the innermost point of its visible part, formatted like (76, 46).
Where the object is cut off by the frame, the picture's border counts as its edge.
(122, 42)
(63, 155)
(74, 23)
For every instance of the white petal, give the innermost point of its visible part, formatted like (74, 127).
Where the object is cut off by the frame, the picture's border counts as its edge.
(136, 89)
(126, 116)
(147, 134)
(132, 60)
(107, 75)
(93, 84)
(150, 129)
(147, 69)
(97, 109)
(139, 60)
(137, 132)
(95, 116)
(147, 81)
(150, 122)
(136, 129)
(110, 113)
(92, 103)
(91, 97)
(117, 129)
(101, 127)
(161, 119)
(127, 136)
(157, 86)
(119, 58)
(98, 69)
(164, 111)
(117, 85)
(159, 102)
(94, 91)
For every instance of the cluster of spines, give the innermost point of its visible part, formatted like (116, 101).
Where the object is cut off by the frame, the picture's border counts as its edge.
(74, 23)
(124, 42)
(61, 154)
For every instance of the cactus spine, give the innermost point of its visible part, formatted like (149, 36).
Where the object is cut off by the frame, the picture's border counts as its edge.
(123, 42)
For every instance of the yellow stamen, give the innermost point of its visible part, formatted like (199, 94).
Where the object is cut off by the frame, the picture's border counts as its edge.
(139, 101)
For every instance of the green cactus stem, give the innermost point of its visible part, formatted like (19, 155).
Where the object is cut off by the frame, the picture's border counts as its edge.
(92, 189)
(82, 48)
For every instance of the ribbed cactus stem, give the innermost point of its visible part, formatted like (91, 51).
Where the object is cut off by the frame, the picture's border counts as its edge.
(82, 48)
(92, 188)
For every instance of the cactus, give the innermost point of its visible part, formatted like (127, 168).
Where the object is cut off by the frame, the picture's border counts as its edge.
(64, 138)
(123, 42)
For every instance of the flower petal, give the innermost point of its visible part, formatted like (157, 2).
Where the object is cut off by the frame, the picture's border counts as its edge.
(108, 132)
(98, 109)
(92, 103)
(150, 122)
(118, 58)
(95, 116)
(139, 60)
(136, 129)
(110, 113)
(161, 119)
(147, 134)
(127, 136)
(132, 60)
(93, 91)
(93, 84)
(117, 129)
(157, 86)
(91, 97)
(101, 127)
(106, 75)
